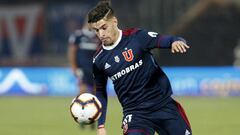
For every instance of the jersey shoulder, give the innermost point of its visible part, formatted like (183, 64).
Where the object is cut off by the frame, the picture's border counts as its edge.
(75, 36)
(130, 31)
(97, 54)
(135, 32)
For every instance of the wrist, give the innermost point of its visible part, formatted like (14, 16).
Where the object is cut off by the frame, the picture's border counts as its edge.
(79, 73)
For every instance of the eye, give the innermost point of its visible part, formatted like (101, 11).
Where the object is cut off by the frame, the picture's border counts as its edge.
(95, 30)
(104, 27)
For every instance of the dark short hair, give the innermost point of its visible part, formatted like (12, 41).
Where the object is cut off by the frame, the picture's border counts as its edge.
(103, 9)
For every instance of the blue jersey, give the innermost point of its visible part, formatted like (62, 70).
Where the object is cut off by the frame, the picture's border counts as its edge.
(87, 44)
(139, 82)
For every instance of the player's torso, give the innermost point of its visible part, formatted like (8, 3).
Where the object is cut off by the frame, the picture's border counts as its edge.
(138, 81)
(88, 43)
(123, 60)
(86, 47)
(130, 68)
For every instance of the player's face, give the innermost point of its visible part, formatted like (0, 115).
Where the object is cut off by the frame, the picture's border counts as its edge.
(106, 30)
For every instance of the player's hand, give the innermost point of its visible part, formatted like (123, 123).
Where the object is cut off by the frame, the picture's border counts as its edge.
(78, 73)
(179, 46)
(101, 131)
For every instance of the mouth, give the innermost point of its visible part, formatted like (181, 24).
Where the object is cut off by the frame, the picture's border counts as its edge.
(104, 39)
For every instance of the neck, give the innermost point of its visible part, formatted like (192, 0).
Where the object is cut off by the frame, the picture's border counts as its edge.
(116, 35)
(115, 43)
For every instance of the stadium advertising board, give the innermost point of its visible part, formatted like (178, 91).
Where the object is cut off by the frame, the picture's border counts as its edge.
(37, 81)
(205, 81)
(186, 81)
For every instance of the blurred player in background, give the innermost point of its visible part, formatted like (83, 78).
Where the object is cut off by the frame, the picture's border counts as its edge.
(143, 89)
(82, 46)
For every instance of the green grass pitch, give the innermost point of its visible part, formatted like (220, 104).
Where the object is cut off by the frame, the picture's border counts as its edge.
(51, 116)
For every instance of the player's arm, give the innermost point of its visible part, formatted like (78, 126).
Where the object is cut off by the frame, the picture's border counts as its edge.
(150, 40)
(72, 55)
(72, 49)
(101, 93)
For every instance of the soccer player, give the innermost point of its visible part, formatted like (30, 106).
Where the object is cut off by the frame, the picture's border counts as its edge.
(142, 88)
(82, 46)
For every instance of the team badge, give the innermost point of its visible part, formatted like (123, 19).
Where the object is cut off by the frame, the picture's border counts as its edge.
(117, 59)
(128, 55)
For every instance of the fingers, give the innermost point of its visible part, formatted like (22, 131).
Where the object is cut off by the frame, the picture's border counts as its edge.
(179, 46)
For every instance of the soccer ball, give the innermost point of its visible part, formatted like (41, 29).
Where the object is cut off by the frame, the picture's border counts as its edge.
(86, 108)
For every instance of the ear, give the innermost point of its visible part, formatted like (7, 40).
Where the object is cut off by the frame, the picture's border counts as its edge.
(90, 26)
(115, 21)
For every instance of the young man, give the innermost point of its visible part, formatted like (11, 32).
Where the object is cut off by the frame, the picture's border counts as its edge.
(82, 46)
(142, 87)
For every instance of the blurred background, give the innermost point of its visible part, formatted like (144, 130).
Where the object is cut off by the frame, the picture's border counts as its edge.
(37, 84)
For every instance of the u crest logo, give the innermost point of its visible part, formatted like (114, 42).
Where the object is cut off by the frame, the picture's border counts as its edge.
(128, 55)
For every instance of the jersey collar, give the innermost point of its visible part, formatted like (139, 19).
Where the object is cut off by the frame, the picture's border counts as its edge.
(115, 44)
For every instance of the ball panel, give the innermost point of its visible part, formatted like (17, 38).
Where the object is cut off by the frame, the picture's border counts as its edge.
(86, 96)
(86, 108)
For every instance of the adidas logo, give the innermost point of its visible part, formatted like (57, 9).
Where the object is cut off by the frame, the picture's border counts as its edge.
(187, 132)
(107, 66)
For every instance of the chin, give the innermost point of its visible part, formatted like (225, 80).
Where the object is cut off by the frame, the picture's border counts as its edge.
(108, 44)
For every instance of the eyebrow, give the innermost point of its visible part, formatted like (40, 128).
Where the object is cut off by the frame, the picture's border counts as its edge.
(100, 27)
